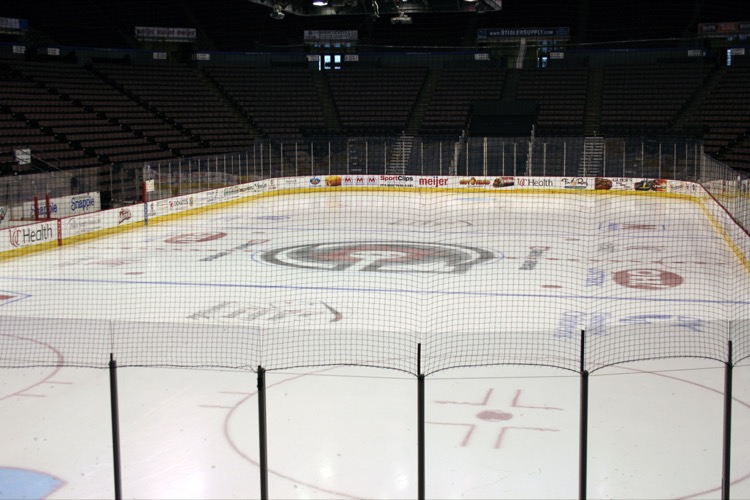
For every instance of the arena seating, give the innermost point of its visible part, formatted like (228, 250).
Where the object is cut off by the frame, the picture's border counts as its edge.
(647, 98)
(561, 96)
(31, 115)
(178, 95)
(80, 116)
(725, 113)
(74, 115)
(280, 102)
(375, 101)
(455, 89)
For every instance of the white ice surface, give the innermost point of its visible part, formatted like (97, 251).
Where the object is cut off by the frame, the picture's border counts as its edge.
(350, 432)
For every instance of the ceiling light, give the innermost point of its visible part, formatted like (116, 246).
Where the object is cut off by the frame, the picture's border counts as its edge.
(277, 13)
(320, 3)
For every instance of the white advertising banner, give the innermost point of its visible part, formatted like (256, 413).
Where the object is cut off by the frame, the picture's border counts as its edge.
(397, 181)
(64, 206)
(29, 235)
(613, 184)
(239, 191)
(82, 224)
(106, 219)
(539, 183)
(435, 181)
(291, 182)
(4, 216)
(80, 214)
(684, 187)
(180, 203)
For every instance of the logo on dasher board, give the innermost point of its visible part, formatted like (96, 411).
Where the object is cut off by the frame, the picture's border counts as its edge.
(28, 236)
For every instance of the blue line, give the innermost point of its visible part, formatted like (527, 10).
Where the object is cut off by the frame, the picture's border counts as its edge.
(379, 290)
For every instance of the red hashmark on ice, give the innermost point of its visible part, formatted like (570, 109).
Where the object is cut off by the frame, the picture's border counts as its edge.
(194, 237)
(494, 415)
(551, 286)
(641, 227)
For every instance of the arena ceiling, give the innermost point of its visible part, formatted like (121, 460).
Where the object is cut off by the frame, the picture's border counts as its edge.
(237, 25)
(377, 7)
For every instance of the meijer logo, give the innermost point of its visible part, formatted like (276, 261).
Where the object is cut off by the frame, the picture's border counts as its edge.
(433, 181)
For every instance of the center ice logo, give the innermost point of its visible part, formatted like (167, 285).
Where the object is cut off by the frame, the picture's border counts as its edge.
(390, 257)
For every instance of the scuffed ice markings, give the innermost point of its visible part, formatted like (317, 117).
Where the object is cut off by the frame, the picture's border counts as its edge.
(242, 312)
(573, 322)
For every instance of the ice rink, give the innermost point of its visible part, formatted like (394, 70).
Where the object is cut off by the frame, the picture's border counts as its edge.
(464, 263)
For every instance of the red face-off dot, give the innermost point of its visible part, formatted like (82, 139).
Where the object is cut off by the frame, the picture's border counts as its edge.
(494, 415)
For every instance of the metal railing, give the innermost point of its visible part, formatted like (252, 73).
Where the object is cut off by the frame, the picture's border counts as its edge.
(672, 158)
(473, 156)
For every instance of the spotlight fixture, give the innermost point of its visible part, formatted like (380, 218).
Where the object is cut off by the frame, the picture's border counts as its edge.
(277, 13)
(320, 3)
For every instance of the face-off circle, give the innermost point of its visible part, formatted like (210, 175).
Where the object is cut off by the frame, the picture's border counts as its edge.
(384, 257)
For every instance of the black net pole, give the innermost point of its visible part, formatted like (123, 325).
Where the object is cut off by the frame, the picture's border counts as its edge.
(420, 427)
(726, 480)
(584, 437)
(115, 426)
(263, 431)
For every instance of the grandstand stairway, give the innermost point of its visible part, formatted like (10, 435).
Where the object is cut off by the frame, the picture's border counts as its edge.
(510, 87)
(592, 161)
(250, 128)
(356, 156)
(423, 102)
(400, 154)
(690, 116)
(330, 116)
(593, 111)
